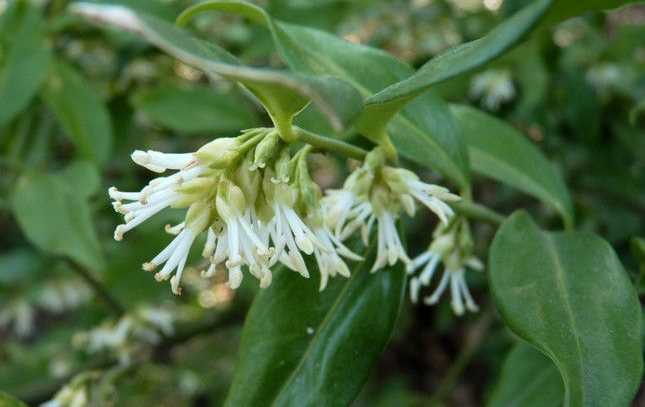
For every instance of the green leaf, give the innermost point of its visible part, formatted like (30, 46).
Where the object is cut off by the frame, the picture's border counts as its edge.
(568, 295)
(528, 379)
(301, 347)
(500, 152)
(564, 9)
(25, 57)
(80, 111)
(193, 110)
(54, 214)
(283, 94)
(7, 400)
(464, 57)
(425, 133)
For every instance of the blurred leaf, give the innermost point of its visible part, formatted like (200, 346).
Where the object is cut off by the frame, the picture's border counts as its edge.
(583, 110)
(54, 213)
(18, 266)
(80, 111)
(301, 347)
(425, 133)
(7, 400)
(192, 110)
(528, 379)
(637, 111)
(638, 248)
(25, 57)
(565, 9)
(464, 57)
(500, 152)
(283, 94)
(568, 295)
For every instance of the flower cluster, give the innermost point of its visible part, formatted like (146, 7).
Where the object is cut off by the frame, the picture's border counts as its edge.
(377, 194)
(131, 336)
(258, 206)
(253, 199)
(452, 246)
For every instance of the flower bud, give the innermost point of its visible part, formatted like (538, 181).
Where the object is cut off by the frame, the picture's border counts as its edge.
(219, 153)
(266, 150)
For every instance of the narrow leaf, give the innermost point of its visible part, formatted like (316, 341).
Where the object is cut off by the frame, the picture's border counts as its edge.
(54, 214)
(283, 94)
(301, 347)
(567, 294)
(80, 111)
(25, 57)
(467, 56)
(528, 379)
(500, 152)
(425, 133)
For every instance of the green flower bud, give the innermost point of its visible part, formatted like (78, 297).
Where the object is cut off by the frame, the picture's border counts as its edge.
(266, 150)
(220, 153)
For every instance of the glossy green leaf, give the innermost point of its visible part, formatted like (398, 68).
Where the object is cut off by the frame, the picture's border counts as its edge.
(25, 57)
(283, 94)
(568, 295)
(54, 214)
(425, 133)
(80, 111)
(528, 379)
(464, 57)
(301, 347)
(7, 400)
(193, 110)
(500, 152)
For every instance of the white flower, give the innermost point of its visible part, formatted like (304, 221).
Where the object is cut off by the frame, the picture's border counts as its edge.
(237, 242)
(445, 250)
(190, 187)
(160, 193)
(328, 259)
(494, 87)
(290, 235)
(376, 193)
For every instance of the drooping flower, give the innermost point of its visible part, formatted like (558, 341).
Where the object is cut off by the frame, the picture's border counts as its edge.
(248, 195)
(493, 87)
(376, 194)
(452, 248)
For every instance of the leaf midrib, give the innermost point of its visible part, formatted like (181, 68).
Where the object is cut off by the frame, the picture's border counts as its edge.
(562, 293)
(325, 322)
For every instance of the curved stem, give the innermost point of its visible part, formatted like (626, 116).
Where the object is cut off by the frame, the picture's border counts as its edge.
(476, 211)
(330, 144)
(98, 288)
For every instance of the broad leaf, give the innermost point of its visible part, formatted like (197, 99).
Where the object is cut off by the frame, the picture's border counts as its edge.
(80, 111)
(54, 214)
(425, 133)
(24, 57)
(567, 294)
(528, 379)
(500, 152)
(301, 347)
(283, 94)
(193, 110)
(464, 57)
